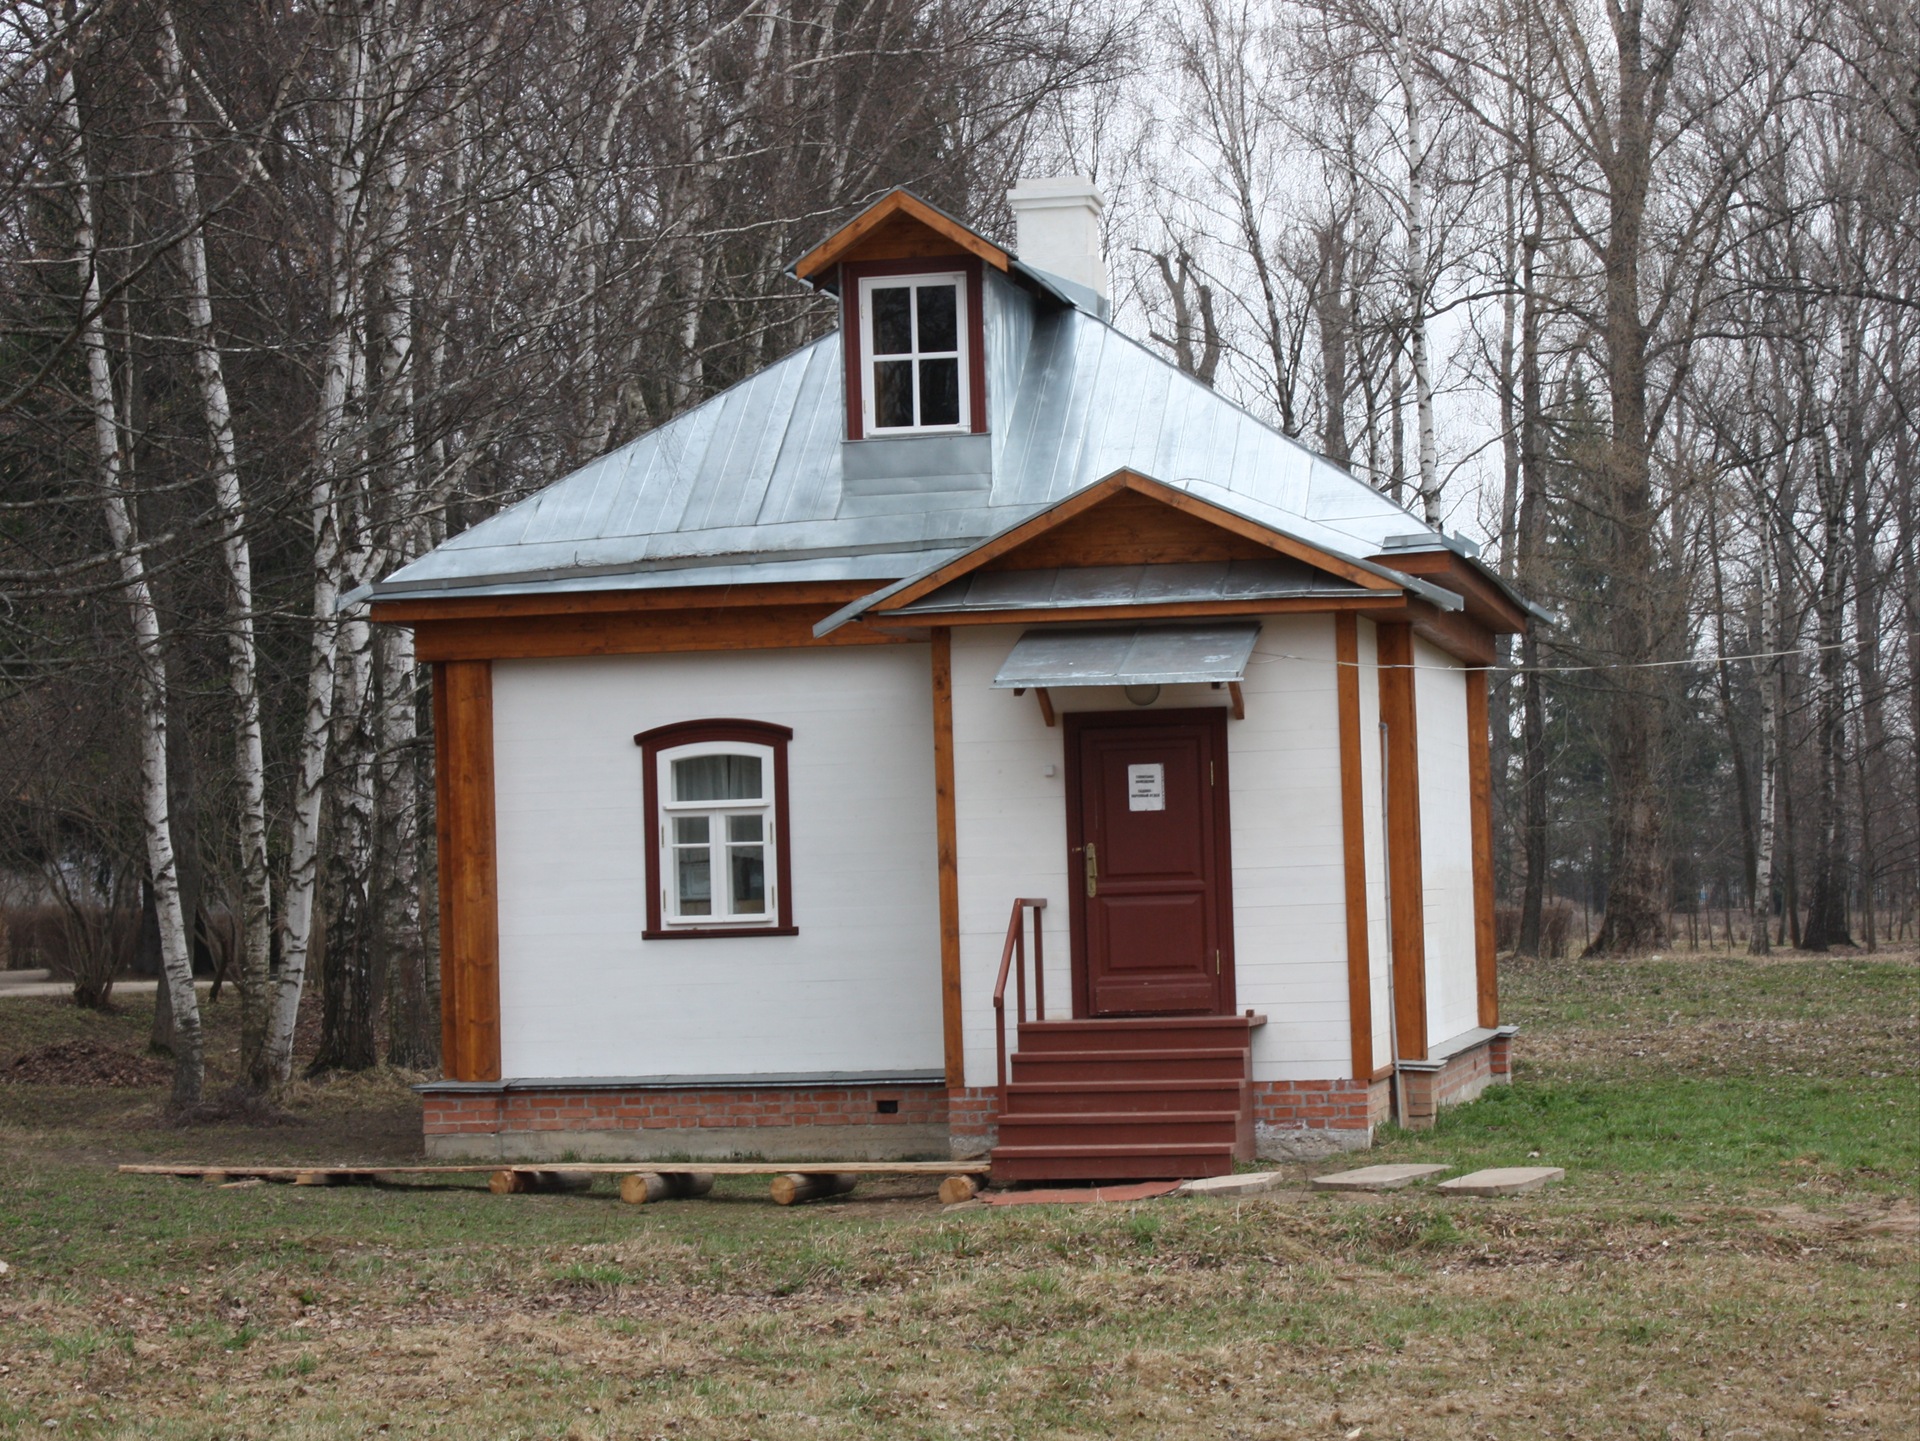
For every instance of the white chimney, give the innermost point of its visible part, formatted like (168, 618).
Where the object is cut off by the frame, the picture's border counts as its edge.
(1057, 229)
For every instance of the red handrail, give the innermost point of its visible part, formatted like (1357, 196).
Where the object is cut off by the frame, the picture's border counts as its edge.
(1013, 957)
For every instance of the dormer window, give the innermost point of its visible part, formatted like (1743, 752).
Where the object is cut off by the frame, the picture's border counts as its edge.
(913, 333)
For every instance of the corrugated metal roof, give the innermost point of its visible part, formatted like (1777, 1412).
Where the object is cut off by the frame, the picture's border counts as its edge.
(1129, 655)
(752, 478)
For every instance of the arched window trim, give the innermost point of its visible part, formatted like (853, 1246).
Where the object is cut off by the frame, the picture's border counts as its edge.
(653, 743)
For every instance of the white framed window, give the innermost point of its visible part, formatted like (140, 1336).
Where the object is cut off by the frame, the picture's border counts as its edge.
(913, 338)
(717, 834)
(718, 859)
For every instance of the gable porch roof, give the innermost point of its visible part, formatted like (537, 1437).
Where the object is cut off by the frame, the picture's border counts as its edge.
(1361, 575)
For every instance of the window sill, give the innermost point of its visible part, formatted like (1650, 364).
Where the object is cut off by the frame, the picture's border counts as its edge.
(702, 933)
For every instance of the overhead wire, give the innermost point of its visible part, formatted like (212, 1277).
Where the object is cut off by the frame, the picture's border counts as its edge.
(1269, 656)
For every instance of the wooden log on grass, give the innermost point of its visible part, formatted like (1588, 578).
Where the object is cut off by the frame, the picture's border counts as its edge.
(521, 1183)
(956, 1189)
(793, 1188)
(645, 1186)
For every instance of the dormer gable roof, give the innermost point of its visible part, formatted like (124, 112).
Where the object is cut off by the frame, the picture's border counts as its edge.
(899, 225)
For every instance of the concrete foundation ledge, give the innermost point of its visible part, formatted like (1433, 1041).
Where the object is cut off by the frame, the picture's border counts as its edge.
(1301, 1143)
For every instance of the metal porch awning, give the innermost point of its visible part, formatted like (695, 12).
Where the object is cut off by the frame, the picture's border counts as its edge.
(1129, 655)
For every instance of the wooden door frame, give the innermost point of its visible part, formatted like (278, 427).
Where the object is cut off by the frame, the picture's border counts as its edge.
(1212, 720)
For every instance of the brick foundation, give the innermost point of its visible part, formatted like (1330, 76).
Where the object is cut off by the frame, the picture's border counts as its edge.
(1428, 1087)
(971, 1113)
(1343, 1105)
(796, 1122)
(530, 1121)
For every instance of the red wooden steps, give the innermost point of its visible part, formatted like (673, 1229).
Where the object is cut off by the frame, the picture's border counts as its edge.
(1131, 1161)
(1027, 1098)
(1218, 1063)
(1139, 1033)
(1135, 1098)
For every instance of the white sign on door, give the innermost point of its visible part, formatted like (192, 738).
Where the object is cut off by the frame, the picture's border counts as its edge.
(1147, 787)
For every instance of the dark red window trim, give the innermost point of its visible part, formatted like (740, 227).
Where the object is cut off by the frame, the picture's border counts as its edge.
(852, 272)
(681, 733)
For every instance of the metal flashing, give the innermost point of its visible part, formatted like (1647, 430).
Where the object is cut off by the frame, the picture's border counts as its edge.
(1057, 657)
(1129, 585)
(749, 1081)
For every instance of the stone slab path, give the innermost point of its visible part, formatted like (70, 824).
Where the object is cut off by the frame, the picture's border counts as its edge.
(1249, 1184)
(1502, 1181)
(1376, 1178)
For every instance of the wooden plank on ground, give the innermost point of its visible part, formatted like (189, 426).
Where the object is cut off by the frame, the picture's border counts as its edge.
(978, 1167)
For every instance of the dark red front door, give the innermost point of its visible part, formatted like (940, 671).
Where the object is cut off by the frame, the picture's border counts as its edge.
(1147, 832)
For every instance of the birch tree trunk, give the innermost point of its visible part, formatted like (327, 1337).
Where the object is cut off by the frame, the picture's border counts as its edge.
(340, 389)
(413, 1027)
(236, 552)
(150, 670)
(1417, 280)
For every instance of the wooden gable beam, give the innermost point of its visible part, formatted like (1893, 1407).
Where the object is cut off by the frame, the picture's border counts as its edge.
(1486, 602)
(1078, 504)
(898, 203)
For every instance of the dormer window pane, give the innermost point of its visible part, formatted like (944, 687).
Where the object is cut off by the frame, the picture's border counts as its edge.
(893, 393)
(939, 392)
(939, 318)
(893, 321)
(913, 358)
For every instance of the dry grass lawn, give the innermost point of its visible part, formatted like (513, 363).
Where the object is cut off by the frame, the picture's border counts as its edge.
(1736, 1253)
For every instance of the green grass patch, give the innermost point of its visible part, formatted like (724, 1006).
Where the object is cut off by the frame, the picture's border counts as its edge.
(1729, 1255)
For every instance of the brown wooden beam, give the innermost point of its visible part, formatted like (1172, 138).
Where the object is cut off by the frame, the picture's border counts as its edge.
(1404, 874)
(947, 840)
(1353, 822)
(616, 602)
(1486, 602)
(1480, 779)
(984, 554)
(756, 627)
(1458, 634)
(469, 908)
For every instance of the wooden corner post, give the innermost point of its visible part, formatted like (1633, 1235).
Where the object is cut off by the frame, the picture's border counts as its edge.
(947, 840)
(469, 904)
(1353, 826)
(1404, 876)
(1480, 778)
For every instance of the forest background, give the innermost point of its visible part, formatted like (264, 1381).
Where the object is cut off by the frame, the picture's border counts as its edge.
(1623, 290)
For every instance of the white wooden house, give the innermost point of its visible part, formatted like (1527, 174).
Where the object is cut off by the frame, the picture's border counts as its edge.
(970, 658)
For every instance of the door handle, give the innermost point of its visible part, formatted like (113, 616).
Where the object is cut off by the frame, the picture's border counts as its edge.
(1093, 872)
